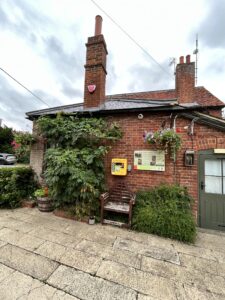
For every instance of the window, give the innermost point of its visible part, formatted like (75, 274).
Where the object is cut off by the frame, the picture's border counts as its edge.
(215, 176)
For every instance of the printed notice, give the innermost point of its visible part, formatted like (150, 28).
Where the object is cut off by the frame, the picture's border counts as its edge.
(149, 160)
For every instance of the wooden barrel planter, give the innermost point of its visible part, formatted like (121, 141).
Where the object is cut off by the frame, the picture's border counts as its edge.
(45, 204)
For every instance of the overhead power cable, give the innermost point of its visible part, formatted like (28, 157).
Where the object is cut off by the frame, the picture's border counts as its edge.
(28, 90)
(131, 38)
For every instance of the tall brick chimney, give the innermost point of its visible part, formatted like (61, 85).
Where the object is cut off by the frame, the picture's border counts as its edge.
(95, 68)
(185, 80)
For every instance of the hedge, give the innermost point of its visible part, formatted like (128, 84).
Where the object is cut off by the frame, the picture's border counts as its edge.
(16, 183)
(165, 211)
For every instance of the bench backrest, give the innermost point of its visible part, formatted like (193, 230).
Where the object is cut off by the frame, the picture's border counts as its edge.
(120, 193)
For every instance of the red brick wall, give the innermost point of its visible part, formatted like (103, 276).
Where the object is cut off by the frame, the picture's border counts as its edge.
(133, 130)
(37, 154)
(185, 82)
(95, 71)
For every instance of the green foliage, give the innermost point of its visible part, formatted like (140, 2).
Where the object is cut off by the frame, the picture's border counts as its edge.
(24, 138)
(40, 193)
(15, 184)
(70, 131)
(165, 211)
(166, 139)
(6, 139)
(74, 165)
(22, 154)
(23, 141)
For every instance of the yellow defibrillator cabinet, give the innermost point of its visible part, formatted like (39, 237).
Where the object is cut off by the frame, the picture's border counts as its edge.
(119, 166)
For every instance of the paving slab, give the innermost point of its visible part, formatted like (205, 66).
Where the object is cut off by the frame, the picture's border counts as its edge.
(192, 293)
(81, 260)
(55, 236)
(27, 262)
(219, 256)
(182, 275)
(194, 250)
(140, 281)
(107, 252)
(103, 262)
(14, 224)
(19, 214)
(148, 250)
(2, 243)
(160, 268)
(21, 286)
(51, 250)
(93, 247)
(145, 297)
(211, 241)
(5, 272)
(20, 239)
(203, 265)
(92, 234)
(87, 287)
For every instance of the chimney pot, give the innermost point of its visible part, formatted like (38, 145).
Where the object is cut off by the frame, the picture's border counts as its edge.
(188, 59)
(95, 68)
(98, 25)
(185, 81)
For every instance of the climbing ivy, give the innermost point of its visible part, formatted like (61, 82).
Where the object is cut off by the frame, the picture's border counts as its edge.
(74, 162)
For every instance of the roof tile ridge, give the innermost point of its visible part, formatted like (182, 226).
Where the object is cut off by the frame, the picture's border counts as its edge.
(143, 92)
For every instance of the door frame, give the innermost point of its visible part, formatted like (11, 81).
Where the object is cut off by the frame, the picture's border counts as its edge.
(204, 152)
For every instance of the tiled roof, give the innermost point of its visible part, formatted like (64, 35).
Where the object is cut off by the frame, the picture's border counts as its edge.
(156, 100)
(153, 95)
(110, 105)
(114, 104)
(205, 98)
(202, 96)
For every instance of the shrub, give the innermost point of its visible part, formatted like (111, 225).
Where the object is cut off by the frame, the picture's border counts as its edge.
(6, 139)
(15, 184)
(74, 162)
(22, 144)
(165, 211)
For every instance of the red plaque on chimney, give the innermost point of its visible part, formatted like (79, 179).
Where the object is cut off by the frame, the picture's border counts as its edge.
(91, 88)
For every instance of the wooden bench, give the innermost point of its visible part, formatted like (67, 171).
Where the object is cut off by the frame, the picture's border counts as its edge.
(120, 200)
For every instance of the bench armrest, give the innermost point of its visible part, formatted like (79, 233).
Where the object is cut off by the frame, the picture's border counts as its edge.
(133, 198)
(104, 197)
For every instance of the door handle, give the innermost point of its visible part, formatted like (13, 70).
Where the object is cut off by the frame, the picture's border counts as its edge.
(202, 185)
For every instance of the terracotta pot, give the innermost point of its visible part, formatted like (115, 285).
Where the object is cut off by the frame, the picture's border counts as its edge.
(45, 204)
(28, 203)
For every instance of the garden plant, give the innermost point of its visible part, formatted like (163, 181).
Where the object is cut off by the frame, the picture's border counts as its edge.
(74, 160)
(165, 210)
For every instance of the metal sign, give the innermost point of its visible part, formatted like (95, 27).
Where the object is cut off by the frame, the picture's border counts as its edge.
(149, 160)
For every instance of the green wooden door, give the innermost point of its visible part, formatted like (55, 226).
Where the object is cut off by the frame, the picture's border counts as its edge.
(212, 191)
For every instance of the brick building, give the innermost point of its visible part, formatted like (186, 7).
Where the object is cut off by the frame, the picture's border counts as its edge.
(193, 112)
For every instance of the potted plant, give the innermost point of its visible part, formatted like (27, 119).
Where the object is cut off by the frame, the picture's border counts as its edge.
(43, 200)
(30, 202)
(166, 139)
(91, 220)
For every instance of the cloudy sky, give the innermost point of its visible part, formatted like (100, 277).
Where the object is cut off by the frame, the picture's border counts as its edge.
(42, 45)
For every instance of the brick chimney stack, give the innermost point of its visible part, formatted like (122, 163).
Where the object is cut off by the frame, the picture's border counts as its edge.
(185, 80)
(95, 68)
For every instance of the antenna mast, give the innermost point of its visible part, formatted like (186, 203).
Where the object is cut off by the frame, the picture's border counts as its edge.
(173, 63)
(196, 60)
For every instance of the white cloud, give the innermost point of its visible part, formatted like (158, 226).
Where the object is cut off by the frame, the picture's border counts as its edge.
(44, 47)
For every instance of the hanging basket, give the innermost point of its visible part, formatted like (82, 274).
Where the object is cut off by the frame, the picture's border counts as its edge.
(166, 139)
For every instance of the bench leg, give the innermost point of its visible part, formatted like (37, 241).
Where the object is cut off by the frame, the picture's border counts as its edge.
(102, 214)
(130, 215)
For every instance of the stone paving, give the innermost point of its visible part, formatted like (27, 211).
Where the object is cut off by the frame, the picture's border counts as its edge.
(46, 257)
